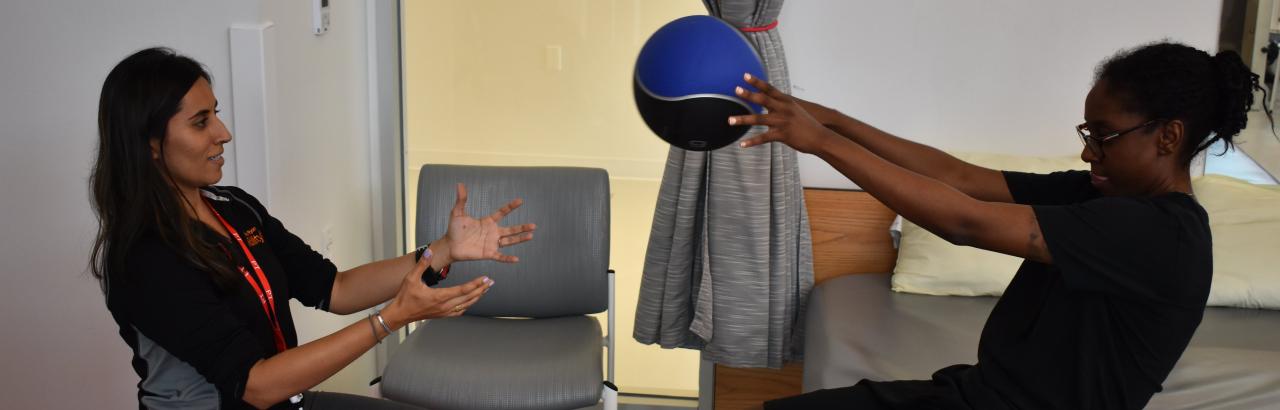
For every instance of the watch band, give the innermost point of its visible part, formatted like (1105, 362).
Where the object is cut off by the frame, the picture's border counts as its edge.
(430, 276)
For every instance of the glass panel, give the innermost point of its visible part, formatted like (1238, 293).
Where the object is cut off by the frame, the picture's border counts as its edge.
(548, 82)
(1235, 163)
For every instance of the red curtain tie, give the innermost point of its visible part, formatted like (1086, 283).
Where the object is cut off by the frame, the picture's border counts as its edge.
(765, 27)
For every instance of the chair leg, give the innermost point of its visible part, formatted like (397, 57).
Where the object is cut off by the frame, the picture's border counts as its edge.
(611, 340)
(609, 396)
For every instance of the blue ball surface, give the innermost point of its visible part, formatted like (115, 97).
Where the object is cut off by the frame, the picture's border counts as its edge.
(684, 82)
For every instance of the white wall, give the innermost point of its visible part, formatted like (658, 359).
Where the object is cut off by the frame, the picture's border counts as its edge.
(60, 348)
(1002, 76)
(319, 158)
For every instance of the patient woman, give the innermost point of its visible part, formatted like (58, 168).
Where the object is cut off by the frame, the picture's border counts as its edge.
(199, 277)
(1118, 259)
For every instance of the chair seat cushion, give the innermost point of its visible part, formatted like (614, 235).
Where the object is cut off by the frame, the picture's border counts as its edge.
(494, 363)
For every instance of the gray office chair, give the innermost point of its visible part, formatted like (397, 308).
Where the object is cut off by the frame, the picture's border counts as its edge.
(528, 343)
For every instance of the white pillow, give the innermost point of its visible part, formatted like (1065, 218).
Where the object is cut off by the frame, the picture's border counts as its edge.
(1244, 219)
(929, 265)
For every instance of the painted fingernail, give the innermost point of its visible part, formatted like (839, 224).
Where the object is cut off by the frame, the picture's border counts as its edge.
(488, 282)
(738, 90)
(742, 144)
(746, 76)
(733, 121)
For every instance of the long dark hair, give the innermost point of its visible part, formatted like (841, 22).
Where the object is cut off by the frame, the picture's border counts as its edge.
(132, 194)
(1212, 95)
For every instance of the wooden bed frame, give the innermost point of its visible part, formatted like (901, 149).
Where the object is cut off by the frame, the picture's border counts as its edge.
(850, 236)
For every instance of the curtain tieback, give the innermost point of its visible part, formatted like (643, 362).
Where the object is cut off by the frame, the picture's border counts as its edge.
(765, 27)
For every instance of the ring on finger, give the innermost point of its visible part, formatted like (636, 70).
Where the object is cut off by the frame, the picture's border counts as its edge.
(457, 309)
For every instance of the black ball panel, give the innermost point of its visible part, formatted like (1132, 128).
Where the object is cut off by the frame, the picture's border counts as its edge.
(699, 123)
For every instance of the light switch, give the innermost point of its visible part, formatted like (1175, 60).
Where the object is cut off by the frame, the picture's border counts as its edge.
(319, 16)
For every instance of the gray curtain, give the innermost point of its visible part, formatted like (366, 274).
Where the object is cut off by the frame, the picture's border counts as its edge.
(730, 263)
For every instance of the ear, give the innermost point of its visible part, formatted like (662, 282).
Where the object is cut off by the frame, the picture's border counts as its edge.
(155, 148)
(1169, 140)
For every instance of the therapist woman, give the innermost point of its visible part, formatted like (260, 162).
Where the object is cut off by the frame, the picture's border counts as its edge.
(198, 277)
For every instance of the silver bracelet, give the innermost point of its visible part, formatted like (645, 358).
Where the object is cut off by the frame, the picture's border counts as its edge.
(378, 314)
(374, 329)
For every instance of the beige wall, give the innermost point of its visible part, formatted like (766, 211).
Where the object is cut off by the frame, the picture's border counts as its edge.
(548, 82)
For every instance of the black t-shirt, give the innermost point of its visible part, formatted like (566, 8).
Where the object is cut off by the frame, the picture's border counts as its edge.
(1102, 326)
(194, 344)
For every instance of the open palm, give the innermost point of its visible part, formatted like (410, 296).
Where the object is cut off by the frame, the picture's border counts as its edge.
(472, 239)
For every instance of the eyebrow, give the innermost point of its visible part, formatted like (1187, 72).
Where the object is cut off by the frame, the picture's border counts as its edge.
(1100, 124)
(204, 111)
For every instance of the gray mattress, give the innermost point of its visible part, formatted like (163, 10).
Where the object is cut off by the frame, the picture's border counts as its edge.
(859, 329)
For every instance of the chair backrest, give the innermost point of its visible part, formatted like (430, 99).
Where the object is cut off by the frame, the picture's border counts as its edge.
(563, 270)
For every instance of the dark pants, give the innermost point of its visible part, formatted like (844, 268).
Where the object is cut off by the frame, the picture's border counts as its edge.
(944, 392)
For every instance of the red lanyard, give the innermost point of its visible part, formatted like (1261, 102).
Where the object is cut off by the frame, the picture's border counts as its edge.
(267, 299)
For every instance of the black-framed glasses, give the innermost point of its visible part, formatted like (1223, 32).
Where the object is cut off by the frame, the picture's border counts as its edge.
(1094, 142)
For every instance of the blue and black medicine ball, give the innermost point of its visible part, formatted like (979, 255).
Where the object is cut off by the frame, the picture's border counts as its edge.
(684, 81)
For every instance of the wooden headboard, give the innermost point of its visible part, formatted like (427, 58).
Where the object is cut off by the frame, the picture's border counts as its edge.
(850, 232)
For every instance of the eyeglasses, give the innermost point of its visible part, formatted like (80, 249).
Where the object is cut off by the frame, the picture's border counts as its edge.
(1094, 142)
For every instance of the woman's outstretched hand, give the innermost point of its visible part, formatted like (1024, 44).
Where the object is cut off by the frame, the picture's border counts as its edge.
(788, 121)
(416, 301)
(470, 238)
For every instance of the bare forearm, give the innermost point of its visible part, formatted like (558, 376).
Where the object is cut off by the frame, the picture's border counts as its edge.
(376, 282)
(295, 370)
(943, 209)
(975, 181)
(1011, 229)
(368, 285)
(928, 202)
(919, 158)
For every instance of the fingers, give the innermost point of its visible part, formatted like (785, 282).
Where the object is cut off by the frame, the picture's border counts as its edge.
(764, 86)
(761, 99)
(461, 307)
(756, 119)
(472, 293)
(516, 229)
(458, 304)
(460, 206)
(514, 239)
(445, 294)
(502, 212)
(762, 138)
(474, 285)
(758, 98)
(769, 102)
(504, 258)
